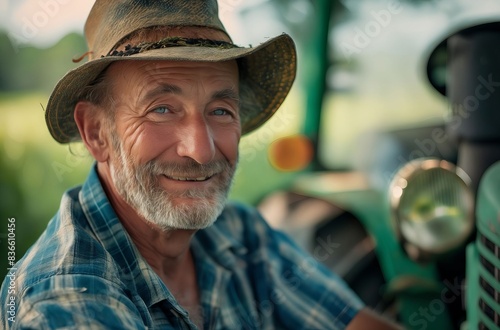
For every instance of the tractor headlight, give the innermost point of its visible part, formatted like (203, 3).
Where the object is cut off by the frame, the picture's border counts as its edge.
(432, 207)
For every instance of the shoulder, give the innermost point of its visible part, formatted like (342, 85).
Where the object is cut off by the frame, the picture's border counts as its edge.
(66, 258)
(67, 246)
(72, 301)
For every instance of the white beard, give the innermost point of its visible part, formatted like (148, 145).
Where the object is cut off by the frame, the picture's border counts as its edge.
(139, 186)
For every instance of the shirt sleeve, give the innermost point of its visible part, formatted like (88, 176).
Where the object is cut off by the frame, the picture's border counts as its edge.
(76, 302)
(303, 293)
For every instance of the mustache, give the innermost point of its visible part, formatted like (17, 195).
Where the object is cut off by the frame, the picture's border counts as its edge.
(187, 168)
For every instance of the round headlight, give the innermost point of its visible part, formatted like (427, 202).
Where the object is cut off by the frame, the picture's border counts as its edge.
(432, 207)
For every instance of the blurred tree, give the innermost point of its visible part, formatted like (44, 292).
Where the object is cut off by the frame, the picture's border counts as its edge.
(30, 188)
(35, 69)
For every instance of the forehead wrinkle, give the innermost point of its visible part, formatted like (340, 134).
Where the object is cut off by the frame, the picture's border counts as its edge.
(151, 79)
(157, 91)
(125, 78)
(226, 94)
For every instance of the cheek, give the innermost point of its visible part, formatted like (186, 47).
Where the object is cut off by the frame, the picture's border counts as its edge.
(228, 146)
(148, 142)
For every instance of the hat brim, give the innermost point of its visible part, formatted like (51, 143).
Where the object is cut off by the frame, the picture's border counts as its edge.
(269, 69)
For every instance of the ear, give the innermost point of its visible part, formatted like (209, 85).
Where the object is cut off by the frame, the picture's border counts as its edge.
(88, 118)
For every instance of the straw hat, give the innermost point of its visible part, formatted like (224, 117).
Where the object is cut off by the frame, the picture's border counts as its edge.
(268, 68)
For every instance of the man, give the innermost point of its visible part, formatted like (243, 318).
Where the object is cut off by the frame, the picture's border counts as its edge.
(148, 240)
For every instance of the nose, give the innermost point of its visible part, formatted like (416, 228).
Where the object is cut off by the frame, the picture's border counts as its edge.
(196, 140)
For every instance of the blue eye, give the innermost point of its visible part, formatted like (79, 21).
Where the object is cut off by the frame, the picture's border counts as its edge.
(161, 109)
(221, 112)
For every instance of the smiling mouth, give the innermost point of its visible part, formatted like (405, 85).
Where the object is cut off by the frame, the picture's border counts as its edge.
(190, 179)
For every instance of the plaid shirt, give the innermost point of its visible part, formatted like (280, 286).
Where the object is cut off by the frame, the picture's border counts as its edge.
(85, 272)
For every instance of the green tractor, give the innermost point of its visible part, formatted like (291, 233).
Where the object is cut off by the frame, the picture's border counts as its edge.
(415, 229)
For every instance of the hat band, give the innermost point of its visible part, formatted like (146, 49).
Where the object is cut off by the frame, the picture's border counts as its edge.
(170, 42)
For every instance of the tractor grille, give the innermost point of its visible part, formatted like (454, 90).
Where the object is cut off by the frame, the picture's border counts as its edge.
(489, 282)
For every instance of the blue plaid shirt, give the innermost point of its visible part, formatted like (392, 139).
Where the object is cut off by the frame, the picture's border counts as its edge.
(85, 272)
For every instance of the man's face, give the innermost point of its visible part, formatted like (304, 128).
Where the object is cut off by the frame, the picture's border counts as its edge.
(175, 139)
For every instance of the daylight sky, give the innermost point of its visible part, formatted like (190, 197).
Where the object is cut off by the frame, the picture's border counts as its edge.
(44, 22)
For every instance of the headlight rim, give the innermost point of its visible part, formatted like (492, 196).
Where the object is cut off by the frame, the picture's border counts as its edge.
(396, 191)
